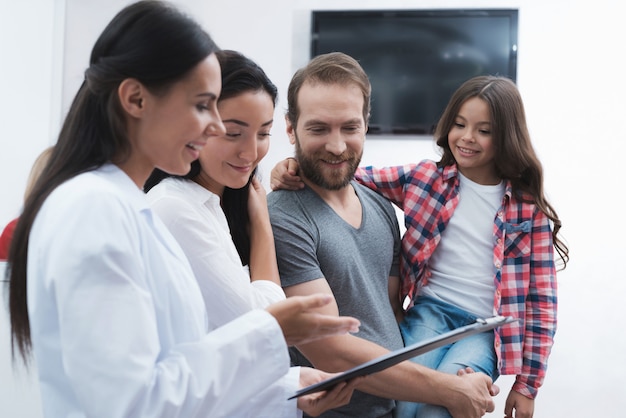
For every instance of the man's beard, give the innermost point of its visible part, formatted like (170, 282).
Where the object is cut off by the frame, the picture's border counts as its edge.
(322, 176)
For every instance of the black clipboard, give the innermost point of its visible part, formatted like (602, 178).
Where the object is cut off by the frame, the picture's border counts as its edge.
(395, 357)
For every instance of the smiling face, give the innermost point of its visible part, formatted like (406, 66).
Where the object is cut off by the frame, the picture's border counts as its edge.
(330, 133)
(168, 131)
(471, 142)
(228, 160)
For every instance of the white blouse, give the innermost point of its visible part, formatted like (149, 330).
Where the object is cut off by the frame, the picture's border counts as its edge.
(194, 216)
(117, 321)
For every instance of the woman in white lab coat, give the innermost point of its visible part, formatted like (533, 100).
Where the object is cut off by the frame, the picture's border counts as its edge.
(99, 290)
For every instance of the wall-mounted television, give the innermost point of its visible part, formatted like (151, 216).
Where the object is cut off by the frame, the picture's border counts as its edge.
(416, 59)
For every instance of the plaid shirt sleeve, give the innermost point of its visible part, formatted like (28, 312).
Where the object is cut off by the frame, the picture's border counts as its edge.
(540, 307)
(392, 183)
(388, 182)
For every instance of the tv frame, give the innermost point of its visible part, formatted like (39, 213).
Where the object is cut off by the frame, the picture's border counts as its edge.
(511, 13)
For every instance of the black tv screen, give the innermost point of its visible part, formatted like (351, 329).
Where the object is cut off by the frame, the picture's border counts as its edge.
(416, 59)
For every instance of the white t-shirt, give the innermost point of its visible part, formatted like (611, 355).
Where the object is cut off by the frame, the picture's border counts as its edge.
(462, 265)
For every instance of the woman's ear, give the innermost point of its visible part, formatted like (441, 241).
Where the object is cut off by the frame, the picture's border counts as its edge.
(290, 131)
(131, 94)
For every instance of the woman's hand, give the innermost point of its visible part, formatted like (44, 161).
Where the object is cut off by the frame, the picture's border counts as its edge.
(285, 175)
(300, 324)
(257, 202)
(316, 403)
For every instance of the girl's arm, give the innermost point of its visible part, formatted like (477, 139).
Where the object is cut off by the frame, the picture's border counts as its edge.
(388, 182)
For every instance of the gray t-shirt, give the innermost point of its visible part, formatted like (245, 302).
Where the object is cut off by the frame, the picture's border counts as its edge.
(312, 242)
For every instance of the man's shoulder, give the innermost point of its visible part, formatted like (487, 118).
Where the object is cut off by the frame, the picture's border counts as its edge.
(371, 195)
(288, 205)
(277, 199)
(280, 195)
(281, 200)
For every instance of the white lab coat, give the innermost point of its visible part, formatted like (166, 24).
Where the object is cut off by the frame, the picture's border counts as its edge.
(117, 320)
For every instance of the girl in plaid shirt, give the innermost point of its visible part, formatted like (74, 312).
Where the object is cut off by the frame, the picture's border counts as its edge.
(498, 255)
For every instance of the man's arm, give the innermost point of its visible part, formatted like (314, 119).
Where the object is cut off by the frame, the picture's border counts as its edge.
(464, 396)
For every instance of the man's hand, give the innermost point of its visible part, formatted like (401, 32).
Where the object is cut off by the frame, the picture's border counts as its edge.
(494, 389)
(471, 395)
(285, 175)
(301, 324)
(315, 404)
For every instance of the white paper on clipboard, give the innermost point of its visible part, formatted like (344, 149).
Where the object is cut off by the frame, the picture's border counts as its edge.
(395, 357)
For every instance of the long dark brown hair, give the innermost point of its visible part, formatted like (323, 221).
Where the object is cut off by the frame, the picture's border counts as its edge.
(150, 41)
(515, 158)
(239, 75)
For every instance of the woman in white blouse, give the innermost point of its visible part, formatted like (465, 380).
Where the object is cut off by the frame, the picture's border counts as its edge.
(99, 290)
(218, 211)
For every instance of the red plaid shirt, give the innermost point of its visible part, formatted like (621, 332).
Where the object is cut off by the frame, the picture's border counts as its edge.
(523, 260)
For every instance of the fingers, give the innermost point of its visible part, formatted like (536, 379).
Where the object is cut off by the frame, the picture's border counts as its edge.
(518, 406)
(343, 392)
(478, 388)
(337, 325)
(508, 410)
(491, 406)
(494, 390)
(287, 182)
(464, 371)
(317, 403)
(314, 301)
(292, 166)
(256, 183)
(301, 324)
(328, 324)
(284, 176)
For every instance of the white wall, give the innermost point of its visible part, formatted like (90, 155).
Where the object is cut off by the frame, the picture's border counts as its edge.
(570, 76)
(30, 81)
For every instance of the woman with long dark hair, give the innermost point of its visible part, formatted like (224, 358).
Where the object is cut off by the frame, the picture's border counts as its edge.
(99, 290)
(218, 211)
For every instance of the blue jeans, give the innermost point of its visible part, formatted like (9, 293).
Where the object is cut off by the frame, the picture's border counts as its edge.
(428, 318)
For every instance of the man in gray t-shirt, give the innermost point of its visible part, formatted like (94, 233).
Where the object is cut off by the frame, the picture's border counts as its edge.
(313, 242)
(336, 237)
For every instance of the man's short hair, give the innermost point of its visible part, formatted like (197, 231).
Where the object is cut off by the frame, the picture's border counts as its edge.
(331, 68)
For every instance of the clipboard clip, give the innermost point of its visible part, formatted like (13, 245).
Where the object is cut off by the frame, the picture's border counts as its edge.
(497, 320)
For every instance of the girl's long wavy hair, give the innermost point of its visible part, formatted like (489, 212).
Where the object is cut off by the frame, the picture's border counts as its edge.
(150, 41)
(515, 158)
(239, 75)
